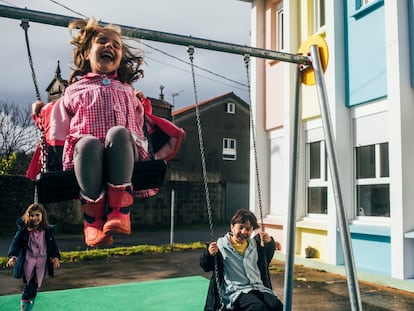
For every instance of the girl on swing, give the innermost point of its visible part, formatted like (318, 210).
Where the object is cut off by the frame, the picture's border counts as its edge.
(102, 118)
(242, 266)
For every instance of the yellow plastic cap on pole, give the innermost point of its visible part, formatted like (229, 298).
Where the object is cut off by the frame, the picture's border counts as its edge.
(308, 76)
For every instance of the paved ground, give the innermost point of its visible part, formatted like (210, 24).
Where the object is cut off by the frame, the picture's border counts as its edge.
(312, 290)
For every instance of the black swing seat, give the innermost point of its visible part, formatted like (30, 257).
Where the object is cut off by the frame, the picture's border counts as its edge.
(57, 186)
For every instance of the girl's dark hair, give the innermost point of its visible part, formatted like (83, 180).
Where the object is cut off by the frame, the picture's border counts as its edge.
(242, 216)
(35, 207)
(129, 69)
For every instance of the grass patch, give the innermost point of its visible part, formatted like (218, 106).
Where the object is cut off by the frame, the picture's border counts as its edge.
(96, 254)
(275, 269)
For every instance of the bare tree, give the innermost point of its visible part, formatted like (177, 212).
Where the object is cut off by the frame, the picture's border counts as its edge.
(17, 130)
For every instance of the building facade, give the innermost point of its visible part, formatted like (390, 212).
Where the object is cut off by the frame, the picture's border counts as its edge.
(369, 85)
(224, 125)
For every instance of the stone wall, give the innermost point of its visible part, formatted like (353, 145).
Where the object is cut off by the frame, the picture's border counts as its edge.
(17, 192)
(189, 205)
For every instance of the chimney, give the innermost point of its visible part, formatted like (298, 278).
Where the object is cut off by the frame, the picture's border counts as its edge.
(161, 92)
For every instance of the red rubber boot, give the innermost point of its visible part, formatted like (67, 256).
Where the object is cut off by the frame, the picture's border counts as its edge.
(120, 200)
(93, 212)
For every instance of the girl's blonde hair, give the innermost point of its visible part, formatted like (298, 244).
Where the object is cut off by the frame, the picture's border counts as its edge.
(35, 207)
(83, 32)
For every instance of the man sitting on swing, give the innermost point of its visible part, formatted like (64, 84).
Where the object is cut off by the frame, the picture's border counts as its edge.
(104, 123)
(242, 266)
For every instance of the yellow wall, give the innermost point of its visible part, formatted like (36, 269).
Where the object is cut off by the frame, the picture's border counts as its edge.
(312, 237)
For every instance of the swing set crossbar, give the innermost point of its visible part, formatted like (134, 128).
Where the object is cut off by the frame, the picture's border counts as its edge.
(158, 36)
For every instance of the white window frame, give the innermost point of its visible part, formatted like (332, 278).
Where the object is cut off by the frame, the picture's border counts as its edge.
(364, 7)
(231, 108)
(376, 180)
(322, 181)
(318, 6)
(365, 3)
(229, 149)
(279, 24)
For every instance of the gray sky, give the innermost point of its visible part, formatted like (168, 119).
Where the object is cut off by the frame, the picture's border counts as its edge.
(218, 20)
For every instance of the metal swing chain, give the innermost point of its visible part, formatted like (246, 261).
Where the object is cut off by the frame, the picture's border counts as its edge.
(256, 162)
(253, 132)
(190, 51)
(201, 144)
(25, 25)
(43, 145)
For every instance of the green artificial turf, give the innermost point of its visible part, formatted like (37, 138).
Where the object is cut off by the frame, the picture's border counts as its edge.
(180, 294)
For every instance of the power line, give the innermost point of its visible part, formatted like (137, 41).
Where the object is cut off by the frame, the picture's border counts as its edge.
(187, 63)
(8, 3)
(67, 8)
(204, 77)
(167, 54)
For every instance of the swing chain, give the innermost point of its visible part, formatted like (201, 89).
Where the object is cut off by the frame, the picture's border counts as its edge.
(190, 51)
(253, 133)
(43, 144)
(25, 25)
(201, 144)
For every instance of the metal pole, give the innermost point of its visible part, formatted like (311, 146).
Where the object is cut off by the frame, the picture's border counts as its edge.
(172, 220)
(290, 241)
(352, 280)
(133, 32)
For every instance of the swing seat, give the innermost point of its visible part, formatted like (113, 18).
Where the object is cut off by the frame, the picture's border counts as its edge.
(148, 174)
(57, 186)
(60, 186)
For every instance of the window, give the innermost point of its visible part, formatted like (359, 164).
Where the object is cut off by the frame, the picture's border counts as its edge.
(280, 40)
(229, 149)
(318, 14)
(365, 3)
(317, 178)
(231, 108)
(372, 180)
(364, 7)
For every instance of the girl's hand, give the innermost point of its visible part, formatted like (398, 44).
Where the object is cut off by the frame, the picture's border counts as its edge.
(56, 263)
(213, 248)
(37, 106)
(11, 262)
(139, 94)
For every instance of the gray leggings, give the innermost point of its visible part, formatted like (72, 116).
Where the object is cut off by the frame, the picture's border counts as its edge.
(96, 164)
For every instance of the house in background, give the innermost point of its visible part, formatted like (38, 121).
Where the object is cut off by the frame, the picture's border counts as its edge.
(369, 84)
(224, 124)
(160, 107)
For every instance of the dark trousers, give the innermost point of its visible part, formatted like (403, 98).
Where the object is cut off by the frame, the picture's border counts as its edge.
(258, 301)
(29, 288)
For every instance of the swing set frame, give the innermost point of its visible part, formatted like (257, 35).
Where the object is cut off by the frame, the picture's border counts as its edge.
(310, 62)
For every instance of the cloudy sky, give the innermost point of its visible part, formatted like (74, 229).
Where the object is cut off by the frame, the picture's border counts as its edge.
(165, 64)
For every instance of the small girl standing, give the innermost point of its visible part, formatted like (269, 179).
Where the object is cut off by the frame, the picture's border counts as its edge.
(33, 252)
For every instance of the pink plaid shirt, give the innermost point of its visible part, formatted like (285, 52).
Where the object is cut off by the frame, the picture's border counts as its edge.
(97, 103)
